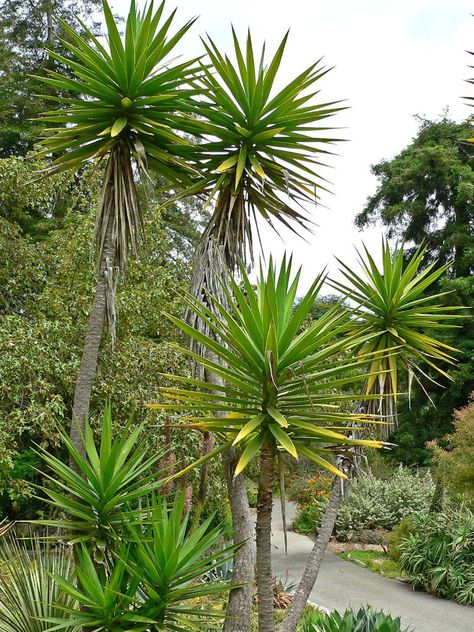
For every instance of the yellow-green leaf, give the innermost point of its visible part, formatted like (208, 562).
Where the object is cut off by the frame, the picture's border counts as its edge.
(227, 164)
(251, 449)
(277, 416)
(283, 439)
(326, 465)
(249, 427)
(118, 126)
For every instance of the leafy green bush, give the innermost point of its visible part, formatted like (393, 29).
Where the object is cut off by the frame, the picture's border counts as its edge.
(454, 454)
(364, 620)
(309, 518)
(382, 503)
(400, 533)
(439, 554)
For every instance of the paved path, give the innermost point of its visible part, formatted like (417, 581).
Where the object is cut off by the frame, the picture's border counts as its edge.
(343, 584)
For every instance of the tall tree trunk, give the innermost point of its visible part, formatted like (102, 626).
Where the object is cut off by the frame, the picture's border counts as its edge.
(311, 571)
(239, 606)
(90, 354)
(264, 541)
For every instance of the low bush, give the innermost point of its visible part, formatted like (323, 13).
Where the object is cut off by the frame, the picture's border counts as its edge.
(400, 533)
(376, 503)
(311, 495)
(309, 518)
(439, 554)
(454, 455)
(364, 620)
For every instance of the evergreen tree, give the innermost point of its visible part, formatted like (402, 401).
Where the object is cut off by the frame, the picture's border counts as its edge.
(27, 31)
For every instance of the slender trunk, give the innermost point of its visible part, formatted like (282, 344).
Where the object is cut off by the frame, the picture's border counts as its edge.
(90, 354)
(239, 606)
(264, 541)
(301, 596)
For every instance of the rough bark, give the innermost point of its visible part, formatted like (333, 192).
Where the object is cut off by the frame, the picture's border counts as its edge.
(239, 606)
(264, 541)
(301, 596)
(90, 354)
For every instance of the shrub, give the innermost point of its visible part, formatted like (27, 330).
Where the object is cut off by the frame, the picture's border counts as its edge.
(381, 504)
(28, 593)
(311, 495)
(309, 518)
(311, 490)
(400, 533)
(454, 454)
(364, 620)
(439, 554)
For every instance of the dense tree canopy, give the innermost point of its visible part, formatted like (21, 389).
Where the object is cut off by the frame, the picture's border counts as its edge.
(27, 31)
(45, 290)
(426, 194)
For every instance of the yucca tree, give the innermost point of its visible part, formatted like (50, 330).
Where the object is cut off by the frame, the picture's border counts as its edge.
(258, 152)
(261, 150)
(393, 303)
(101, 487)
(282, 391)
(394, 306)
(126, 114)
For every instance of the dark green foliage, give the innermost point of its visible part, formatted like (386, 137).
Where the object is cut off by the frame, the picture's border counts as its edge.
(426, 195)
(16, 480)
(364, 620)
(309, 518)
(439, 554)
(27, 31)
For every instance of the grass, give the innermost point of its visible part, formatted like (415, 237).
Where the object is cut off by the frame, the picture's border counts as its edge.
(376, 561)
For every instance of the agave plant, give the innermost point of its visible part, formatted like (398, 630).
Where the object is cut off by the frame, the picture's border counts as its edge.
(159, 567)
(363, 620)
(282, 391)
(28, 594)
(127, 113)
(103, 488)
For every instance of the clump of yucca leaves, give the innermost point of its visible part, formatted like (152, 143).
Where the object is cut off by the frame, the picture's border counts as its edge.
(137, 564)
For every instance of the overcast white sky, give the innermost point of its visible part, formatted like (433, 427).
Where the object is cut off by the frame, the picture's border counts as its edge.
(393, 59)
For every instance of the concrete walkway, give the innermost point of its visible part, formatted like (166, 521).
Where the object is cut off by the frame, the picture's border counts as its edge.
(343, 584)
